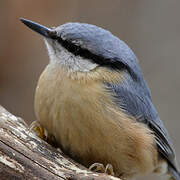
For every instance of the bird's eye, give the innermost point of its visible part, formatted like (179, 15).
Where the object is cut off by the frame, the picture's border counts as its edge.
(71, 47)
(53, 34)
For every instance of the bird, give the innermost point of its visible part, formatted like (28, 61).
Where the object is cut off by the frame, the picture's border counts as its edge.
(93, 99)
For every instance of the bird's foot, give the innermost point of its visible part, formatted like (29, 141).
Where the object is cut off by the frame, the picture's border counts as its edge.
(39, 130)
(42, 133)
(109, 170)
(99, 168)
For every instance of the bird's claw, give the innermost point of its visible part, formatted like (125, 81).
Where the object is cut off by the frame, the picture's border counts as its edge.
(109, 170)
(42, 133)
(99, 168)
(39, 130)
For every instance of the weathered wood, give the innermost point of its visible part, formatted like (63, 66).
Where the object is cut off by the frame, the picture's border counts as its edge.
(25, 156)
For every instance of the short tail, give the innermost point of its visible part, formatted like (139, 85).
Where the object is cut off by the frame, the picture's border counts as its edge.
(175, 175)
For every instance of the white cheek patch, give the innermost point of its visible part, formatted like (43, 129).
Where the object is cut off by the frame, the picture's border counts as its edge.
(62, 56)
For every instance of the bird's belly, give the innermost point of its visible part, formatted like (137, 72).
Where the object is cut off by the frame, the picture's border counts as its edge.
(89, 128)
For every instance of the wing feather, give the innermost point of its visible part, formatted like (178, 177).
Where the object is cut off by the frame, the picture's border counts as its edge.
(139, 104)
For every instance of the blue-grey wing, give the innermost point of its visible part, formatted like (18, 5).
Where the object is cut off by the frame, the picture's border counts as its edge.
(138, 104)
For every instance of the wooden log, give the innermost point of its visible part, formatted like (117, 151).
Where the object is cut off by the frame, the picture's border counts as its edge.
(25, 156)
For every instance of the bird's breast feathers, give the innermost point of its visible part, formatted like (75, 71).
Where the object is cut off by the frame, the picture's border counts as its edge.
(85, 122)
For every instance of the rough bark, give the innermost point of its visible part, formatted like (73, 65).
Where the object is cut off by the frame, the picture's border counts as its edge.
(25, 156)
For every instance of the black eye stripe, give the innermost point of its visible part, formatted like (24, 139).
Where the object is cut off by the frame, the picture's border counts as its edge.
(78, 51)
(113, 64)
(74, 49)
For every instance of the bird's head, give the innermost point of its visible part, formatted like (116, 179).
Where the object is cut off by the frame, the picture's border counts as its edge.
(80, 47)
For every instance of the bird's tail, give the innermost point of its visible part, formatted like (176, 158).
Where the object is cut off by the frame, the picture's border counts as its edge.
(173, 173)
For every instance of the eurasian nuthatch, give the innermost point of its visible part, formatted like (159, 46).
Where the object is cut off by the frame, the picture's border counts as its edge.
(93, 99)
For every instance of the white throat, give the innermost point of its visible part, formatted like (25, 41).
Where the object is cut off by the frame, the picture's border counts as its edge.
(62, 56)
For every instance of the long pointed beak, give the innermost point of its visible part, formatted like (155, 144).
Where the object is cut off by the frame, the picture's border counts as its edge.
(44, 31)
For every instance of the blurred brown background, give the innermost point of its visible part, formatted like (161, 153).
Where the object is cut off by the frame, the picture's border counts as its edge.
(150, 28)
